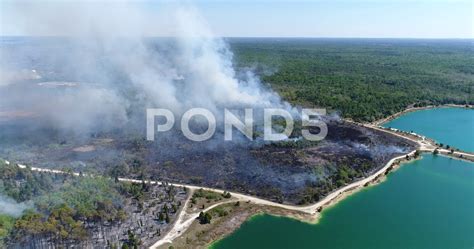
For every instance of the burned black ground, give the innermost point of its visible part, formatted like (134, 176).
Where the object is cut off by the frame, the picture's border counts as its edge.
(283, 171)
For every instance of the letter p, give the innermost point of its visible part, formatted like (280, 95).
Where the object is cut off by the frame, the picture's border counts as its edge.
(150, 122)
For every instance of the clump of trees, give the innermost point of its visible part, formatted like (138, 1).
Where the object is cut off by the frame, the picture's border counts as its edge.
(60, 224)
(208, 195)
(6, 225)
(226, 195)
(204, 218)
(344, 175)
(163, 215)
(132, 241)
(417, 153)
(22, 184)
(219, 211)
(341, 175)
(62, 204)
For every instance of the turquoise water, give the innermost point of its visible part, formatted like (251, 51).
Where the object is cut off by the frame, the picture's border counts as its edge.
(428, 203)
(452, 126)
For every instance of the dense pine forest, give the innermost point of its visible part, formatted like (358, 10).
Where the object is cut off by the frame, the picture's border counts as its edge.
(364, 79)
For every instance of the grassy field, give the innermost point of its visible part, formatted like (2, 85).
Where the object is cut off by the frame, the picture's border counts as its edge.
(364, 79)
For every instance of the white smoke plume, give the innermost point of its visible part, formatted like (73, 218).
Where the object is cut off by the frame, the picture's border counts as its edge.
(10, 207)
(110, 50)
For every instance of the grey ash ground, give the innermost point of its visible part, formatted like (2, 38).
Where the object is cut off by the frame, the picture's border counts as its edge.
(294, 171)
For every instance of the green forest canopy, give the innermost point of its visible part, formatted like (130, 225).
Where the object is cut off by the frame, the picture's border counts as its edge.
(364, 79)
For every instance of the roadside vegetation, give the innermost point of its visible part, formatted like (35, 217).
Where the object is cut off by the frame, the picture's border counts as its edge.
(6, 226)
(62, 203)
(65, 210)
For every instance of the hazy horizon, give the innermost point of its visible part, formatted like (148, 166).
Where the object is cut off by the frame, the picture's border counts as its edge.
(411, 19)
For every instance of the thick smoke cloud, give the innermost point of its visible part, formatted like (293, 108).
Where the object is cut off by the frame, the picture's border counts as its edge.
(110, 69)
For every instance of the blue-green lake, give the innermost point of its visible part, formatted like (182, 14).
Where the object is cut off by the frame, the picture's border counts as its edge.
(427, 203)
(452, 126)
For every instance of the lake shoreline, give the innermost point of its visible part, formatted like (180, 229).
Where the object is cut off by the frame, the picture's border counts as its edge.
(315, 218)
(378, 177)
(414, 109)
(397, 188)
(329, 201)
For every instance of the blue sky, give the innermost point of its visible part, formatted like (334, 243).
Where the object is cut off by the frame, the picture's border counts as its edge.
(318, 18)
(342, 18)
